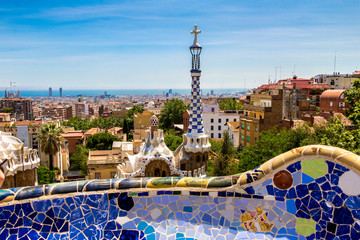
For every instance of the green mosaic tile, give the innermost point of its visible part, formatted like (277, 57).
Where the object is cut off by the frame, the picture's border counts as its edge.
(314, 168)
(133, 193)
(305, 227)
(176, 192)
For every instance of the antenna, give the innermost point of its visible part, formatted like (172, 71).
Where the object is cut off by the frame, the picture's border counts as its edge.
(335, 62)
(294, 72)
(276, 73)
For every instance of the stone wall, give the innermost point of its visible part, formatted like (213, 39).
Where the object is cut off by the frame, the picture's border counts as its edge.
(20, 179)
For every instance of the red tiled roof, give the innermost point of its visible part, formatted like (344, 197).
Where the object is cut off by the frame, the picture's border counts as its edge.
(72, 135)
(331, 94)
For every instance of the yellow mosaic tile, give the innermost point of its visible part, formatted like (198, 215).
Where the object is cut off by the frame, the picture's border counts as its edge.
(243, 179)
(326, 151)
(291, 155)
(305, 227)
(314, 167)
(277, 162)
(348, 159)
(310, 150)
(356, 164)
(193, 182)
(338, 151)
(266, 167)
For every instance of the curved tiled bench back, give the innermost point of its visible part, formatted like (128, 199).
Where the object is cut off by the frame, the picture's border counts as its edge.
(306, 193)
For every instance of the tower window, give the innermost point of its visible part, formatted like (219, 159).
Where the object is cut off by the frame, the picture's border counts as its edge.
(211, 120)
(219, 128)
(212, 127)
(219, 120)
(219, 135)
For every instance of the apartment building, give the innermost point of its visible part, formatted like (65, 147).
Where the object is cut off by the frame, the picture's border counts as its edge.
(214, 120)
(263, 113)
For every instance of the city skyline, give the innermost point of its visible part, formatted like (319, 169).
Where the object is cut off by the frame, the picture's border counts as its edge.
(142, 44)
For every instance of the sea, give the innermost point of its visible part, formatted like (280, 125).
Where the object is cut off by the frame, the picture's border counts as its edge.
(116, 92)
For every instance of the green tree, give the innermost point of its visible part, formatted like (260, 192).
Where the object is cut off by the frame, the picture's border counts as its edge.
(78, 160)
(215, 146)
(101, 141)
(50, 140)
(230, 104)
(223, 163)
(45, 175)
(353, 99)
(77, 123)
(8, 110)
(172, 140)
(270, 144)
(135, 109)
(172, 113)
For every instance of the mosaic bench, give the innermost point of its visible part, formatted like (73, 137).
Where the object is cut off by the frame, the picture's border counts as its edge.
(310, 192)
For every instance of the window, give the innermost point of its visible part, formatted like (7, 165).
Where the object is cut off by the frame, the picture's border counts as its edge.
(212, 127)
(211, 120)
(219, 120)
(234, 119)
(212, 109)
(97, 175)
(227, 120)
(242, 136)
(212, 135)
(248, 127)
(332, 82)
(112, 174)
(341, 104)
(183, 166)
(219, 128)
(331, 104)
(242, 126)
(248, 139)
(256, 128)
(255, 139)
(219, 135)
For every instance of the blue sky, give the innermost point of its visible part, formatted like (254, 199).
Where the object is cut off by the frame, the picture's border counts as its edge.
(144, 44)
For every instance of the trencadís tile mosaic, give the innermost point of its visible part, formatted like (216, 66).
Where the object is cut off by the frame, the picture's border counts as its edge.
(306, 193)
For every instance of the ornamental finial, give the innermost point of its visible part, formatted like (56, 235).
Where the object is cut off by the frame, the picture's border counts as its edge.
(195, 32)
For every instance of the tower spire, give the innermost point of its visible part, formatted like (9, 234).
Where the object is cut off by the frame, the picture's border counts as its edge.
(196, 143)
(196, 128)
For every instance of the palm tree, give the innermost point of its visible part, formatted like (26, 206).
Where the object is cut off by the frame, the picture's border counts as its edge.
(50, 140)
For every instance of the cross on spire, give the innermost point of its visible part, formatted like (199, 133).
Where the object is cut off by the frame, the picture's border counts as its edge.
(195, 32)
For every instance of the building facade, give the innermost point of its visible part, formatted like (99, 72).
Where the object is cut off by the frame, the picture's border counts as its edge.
(263, 113)
(333, 101)
(215, 120)
(154, 159)
(21, 107)
(337, 80)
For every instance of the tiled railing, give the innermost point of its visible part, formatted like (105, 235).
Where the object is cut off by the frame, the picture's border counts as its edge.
(306, 193)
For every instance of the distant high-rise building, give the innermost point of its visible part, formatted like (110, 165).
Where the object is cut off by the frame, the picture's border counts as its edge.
(50, 92)
(170, 91)
(60, 92)
(21, 107)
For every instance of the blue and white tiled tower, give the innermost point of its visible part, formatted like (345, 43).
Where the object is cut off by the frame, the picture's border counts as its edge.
(196, 142)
